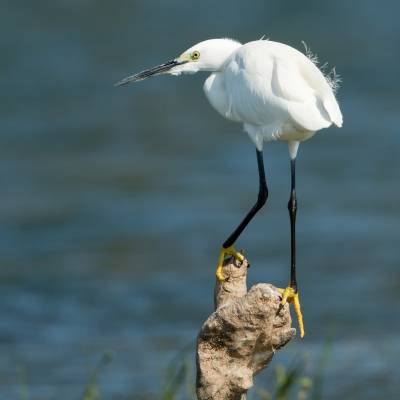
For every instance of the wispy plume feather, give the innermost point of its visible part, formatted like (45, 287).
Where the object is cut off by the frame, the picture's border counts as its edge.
(332, 77)
(311, 56)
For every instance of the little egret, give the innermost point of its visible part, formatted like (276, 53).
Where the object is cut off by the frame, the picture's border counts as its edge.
(278, 93)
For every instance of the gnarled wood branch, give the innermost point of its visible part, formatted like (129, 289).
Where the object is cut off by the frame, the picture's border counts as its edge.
(240, 338)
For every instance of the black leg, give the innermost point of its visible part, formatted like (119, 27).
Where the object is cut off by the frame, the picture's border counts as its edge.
(292, 207)
(290, 294)
(261, 200)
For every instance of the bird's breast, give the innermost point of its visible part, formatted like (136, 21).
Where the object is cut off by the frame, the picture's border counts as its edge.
(215, 91)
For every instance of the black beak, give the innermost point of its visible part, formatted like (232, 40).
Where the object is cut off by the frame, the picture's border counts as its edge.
(160, 69)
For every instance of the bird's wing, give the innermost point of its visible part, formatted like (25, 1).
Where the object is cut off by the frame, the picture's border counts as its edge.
(303, 102)
(270, 83)
(296, 75)
(248, 89)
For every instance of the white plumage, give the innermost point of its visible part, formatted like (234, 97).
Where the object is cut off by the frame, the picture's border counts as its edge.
(277, 92)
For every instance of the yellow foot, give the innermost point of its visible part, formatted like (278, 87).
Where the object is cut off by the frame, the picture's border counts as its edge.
(226, 251)
(289, 295)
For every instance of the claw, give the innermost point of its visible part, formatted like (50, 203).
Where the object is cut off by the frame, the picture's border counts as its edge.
(289, 295)
(226, 251)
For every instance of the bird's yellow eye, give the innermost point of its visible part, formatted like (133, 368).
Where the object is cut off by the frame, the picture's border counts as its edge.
(195, 55)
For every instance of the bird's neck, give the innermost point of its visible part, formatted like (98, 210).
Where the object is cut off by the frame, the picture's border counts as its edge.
(221, 50)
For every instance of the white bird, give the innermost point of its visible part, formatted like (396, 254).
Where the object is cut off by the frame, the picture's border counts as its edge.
(277, 93)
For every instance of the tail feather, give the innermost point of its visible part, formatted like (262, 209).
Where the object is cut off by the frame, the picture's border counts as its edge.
(332, 108)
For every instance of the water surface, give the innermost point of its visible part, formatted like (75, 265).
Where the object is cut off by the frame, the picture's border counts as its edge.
(115, 201)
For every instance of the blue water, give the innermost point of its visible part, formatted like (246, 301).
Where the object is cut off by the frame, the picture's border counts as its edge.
(114, 202)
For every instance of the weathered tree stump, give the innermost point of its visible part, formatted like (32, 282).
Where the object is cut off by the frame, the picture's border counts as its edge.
(240, 337)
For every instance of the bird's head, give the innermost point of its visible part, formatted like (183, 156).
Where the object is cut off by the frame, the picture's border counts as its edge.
(209, 55)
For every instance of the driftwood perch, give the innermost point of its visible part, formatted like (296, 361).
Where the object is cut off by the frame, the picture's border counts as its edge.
(240, 338)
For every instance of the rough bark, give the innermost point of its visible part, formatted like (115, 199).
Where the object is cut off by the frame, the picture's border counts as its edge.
(240, 337)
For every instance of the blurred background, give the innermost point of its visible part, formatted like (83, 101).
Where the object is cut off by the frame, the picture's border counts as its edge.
(115, 201)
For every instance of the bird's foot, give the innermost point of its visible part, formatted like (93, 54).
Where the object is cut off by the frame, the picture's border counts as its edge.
(231, 251)
(290, 295)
